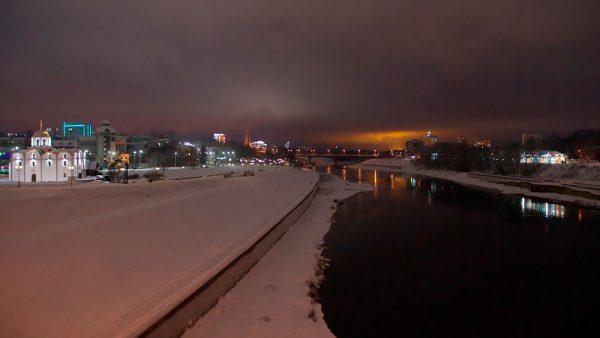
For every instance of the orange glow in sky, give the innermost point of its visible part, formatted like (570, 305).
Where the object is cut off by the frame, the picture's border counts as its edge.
(389, 139)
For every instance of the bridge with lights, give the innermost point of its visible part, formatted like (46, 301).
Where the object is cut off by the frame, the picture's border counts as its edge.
(340, 156)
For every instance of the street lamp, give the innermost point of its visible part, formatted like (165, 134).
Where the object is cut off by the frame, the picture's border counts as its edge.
(19, 167)
(175, 159)
(71, 168)
(140, 160)
(134, 154)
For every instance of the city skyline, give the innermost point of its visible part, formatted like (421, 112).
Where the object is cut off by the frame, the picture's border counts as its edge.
(315, 72)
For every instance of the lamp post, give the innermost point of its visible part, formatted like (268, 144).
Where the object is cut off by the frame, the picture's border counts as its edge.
(71, 168)
(175, 158)
(140, 160)
(134, 155)
(19, 167)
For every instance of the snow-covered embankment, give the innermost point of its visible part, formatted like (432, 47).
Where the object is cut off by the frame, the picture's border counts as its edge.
(272, 300)
(111, 260)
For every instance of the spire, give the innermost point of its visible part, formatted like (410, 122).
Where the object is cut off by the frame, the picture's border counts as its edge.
(41, 125)
(246, 138)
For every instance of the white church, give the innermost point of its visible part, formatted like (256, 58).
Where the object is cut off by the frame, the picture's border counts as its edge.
(42, 163)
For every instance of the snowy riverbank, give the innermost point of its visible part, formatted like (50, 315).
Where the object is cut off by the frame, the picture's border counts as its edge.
(272, 300)
(108, 259)
(406, 166)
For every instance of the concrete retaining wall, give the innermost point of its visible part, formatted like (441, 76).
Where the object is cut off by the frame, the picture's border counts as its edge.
(200, 302)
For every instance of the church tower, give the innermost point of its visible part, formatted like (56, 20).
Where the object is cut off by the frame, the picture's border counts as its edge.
(246, 139)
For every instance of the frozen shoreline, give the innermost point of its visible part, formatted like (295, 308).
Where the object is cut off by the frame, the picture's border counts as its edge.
(406, 166)
(272, 299)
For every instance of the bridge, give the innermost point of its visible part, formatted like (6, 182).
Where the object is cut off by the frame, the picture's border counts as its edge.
(339, 157)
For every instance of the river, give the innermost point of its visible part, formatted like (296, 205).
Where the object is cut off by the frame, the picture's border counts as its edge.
(420, 257)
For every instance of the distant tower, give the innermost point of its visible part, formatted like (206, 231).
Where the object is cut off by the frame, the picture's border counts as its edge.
(430, 139)
(246, 139)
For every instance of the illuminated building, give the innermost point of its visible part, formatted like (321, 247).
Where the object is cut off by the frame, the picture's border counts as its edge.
(13, 141)
(430, 139)
(259, 146)
(42, 163)
(72, 130)
(475, 142)
(543, 157)
(219, 137)
(109, 144)
(4, 161)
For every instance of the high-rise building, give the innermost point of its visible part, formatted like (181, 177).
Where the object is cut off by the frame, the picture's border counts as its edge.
(76, 129)
(219, 137)
(109, 143)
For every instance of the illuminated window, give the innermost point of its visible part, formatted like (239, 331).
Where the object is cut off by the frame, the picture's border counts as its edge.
(37, 142)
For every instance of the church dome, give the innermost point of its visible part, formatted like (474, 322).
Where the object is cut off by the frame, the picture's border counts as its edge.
(41, 133)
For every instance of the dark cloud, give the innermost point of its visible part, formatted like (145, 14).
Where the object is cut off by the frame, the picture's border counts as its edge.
(299, 69)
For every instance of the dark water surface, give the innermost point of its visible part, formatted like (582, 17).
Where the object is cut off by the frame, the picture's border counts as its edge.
(421, 257)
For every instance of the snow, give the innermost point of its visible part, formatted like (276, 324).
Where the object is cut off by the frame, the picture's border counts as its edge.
(587, 173)
(272, 299)
(102, 259)
(407, 166)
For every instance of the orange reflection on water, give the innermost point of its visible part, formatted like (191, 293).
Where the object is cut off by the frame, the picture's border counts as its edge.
(375, 182)
(392, 183)
(580, 216)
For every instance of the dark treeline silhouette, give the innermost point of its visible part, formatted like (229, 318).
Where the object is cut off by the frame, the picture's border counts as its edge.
(503, 160)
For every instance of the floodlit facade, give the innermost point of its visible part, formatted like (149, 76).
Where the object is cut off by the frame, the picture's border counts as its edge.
(109, 144)
(259, 146)
(543, 157)
(74, 130)
(42, 163)
(219, 137)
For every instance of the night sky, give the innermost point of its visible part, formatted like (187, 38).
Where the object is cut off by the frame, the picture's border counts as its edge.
(370, 72)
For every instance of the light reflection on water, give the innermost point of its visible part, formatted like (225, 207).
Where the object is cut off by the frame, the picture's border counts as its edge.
(375, 184)
(417, 244)
(545, 209)
(529, 207)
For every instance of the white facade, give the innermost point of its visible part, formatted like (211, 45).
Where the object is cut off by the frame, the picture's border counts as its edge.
(42, 163)
(543, 157)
